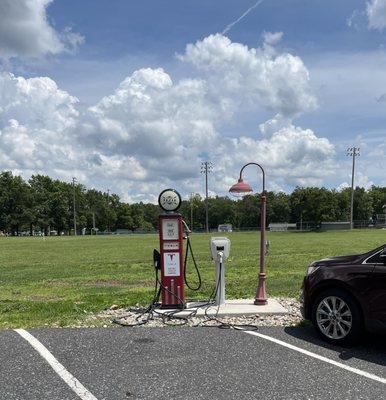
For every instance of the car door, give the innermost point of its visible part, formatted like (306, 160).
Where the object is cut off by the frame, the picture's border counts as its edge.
(377, 299)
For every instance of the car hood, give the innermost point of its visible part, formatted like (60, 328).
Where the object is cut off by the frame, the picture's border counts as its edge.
(338, 260)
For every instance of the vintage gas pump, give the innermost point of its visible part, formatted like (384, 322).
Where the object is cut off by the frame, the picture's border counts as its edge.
(171, 250)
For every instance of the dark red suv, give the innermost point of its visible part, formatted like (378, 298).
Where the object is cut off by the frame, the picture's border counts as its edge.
(343, 296)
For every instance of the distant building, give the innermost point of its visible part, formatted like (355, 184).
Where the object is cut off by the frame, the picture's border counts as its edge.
(281, 226)
(335, 226)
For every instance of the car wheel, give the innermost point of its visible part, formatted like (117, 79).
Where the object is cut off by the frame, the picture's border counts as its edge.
(337, 317)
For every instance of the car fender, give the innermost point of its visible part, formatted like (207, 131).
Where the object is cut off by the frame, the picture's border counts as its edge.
(334, 284)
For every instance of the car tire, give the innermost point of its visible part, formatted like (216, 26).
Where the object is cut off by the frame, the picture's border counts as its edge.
(337, 317)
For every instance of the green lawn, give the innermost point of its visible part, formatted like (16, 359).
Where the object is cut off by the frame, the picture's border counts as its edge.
(60, 281)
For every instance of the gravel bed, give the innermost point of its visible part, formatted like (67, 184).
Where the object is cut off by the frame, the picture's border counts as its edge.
(294, 317)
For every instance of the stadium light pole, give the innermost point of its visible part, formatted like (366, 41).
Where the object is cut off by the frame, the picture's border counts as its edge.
(352, 152)
(206, 168)
(243, 188)
(73, 202)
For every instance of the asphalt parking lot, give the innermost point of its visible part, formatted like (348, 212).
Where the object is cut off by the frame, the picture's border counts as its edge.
(190, 363)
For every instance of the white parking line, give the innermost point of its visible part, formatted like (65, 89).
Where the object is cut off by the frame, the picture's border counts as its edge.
(71, 381)
(318, 357)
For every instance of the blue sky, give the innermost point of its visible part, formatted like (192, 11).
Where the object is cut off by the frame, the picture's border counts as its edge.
(337, 42)
(127, 35)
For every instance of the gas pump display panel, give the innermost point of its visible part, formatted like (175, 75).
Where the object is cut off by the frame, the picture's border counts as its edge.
(170, 229)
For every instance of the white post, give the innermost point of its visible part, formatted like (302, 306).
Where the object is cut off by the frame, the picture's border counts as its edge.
(220, 280)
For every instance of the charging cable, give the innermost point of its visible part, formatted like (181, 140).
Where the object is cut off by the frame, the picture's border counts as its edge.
(189, 248)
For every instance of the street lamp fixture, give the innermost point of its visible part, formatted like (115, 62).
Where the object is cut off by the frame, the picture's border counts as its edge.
(243, 188)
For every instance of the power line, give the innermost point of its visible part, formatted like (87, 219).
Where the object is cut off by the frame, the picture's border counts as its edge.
(206, 168)
(352, 152)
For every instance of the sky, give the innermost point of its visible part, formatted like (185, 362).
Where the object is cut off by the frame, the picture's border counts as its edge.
(133, 96)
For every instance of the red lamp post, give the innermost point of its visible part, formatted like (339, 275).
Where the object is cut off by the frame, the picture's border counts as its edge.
(242, 187)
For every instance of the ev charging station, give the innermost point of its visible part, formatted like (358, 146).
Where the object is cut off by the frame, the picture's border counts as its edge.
(220, 248)
(171, 262)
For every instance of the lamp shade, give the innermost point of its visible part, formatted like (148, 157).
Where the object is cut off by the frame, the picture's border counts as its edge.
(241, 187)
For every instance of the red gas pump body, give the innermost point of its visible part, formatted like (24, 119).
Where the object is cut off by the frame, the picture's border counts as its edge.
(172, 260)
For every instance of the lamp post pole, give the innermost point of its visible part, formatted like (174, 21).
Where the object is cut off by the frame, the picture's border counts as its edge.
(243, 187)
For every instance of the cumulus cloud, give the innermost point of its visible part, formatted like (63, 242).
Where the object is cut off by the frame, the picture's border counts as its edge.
(272, 38)
(150, 115)
(361, 180)
(376, 14)
(26, 32)
(253, 77)
(291, 156)
(274, 124)
(153, 132)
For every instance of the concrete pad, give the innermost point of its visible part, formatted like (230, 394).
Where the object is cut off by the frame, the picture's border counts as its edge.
(232, 308)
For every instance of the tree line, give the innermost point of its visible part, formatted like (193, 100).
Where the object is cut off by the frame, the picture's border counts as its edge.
(44, 204)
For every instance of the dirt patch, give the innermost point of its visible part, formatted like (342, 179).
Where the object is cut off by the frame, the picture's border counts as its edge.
(52, 283)
(105, 282)
(44, 298)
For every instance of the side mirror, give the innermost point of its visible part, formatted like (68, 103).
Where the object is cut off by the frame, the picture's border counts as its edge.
(157, 259)
(382, 256)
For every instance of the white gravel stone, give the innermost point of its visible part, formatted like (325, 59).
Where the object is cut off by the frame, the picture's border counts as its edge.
(155, 320)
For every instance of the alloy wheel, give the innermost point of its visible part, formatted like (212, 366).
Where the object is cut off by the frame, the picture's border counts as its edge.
(334, 317)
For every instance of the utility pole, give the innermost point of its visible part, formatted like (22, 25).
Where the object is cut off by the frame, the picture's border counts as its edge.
(301, 220)
(206, 168)
(191, 210)
(352, 152)
(108, 210)
(93, 222)
(73, 203)
(384, 211)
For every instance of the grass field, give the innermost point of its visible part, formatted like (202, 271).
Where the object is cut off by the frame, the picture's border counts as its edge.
(59, 281)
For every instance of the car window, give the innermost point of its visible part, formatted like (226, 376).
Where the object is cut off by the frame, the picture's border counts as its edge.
(375, 259)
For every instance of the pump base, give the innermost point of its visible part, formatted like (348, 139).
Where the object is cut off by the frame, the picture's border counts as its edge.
(173, 306)
(231, 308)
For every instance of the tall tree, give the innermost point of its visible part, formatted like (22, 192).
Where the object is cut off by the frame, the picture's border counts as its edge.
(16, 202)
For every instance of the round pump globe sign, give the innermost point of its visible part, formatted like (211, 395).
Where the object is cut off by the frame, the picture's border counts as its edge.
(169, 200)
